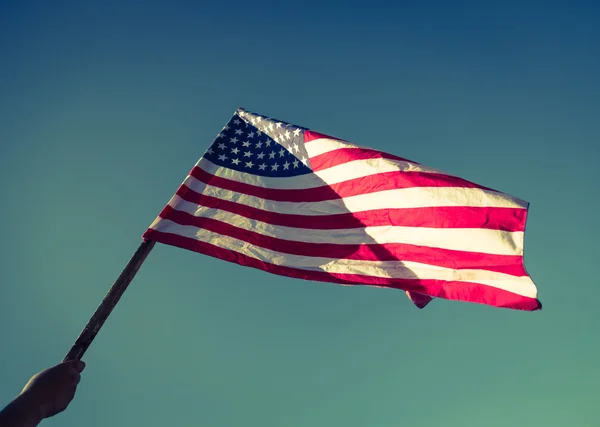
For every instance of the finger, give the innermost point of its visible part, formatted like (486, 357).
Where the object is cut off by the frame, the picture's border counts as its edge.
(75, 365)
(66, 367)
(79, 365)
(74, 377)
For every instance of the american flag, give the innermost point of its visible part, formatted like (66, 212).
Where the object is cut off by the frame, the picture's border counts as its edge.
(285, 199)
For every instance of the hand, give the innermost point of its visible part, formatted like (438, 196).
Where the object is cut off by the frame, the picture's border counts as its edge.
(50, 391)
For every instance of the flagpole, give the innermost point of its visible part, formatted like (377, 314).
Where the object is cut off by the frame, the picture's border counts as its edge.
(109, 302)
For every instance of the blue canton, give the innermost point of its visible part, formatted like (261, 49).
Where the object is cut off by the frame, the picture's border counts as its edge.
(261, 146)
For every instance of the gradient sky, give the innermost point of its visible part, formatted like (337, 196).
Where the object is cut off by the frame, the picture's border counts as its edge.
(105, 108)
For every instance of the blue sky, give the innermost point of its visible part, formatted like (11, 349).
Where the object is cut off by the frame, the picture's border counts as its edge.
(104, 108)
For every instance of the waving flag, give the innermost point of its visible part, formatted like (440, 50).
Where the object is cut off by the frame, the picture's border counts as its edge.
(285, 199)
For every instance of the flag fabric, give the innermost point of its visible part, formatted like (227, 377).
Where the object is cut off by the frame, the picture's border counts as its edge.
(285, 199)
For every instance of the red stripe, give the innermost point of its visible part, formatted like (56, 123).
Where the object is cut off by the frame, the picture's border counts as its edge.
(452, 290)
(419, 300)
(344, 155)
(352, 187)
(310, 135)
(367, 251)
(506, 219)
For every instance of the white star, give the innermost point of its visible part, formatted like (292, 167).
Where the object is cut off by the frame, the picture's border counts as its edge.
(222, 146)
(304, 159)
(234, 140)
(258, 132)
(210, 150)
(295, 163)
(226, 127)
(222, 157)
(247, 153)
(251, 135)
(286, 166)
(274, 167)
(235, 150)
(259, 144)
(249, 164)
(246, 143)
(260, 156)
(281, 152)
(297, 131)
(237, 121)
(272, 155)
(279, 125)
(235, 161)
(220, 135)
(287, 135)
(238, 132)
(268, 142)
(258, 119)
(271, 126)
(262, 167)
(295, 147)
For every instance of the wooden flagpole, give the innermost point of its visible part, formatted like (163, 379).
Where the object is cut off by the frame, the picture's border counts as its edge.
(111, 299)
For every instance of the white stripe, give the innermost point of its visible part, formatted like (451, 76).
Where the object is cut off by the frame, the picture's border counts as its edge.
(325, 145)
(388, 269)
(369, 167)
(461, 239)
(398, 198)
(285, 183)
(337, 174)
(333, 175)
